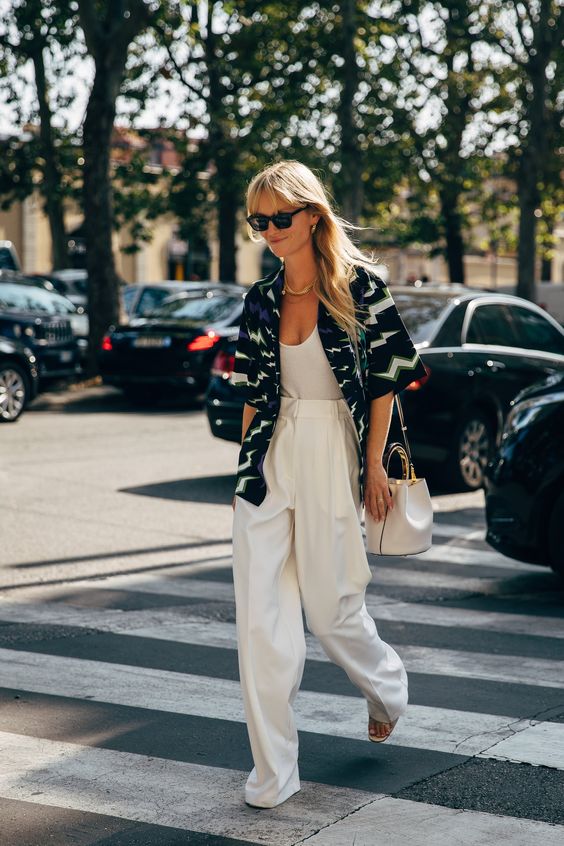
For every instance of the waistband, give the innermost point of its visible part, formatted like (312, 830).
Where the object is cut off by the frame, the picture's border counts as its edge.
(298, 407)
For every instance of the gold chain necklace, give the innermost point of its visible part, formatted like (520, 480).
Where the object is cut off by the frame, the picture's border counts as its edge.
(306, 290)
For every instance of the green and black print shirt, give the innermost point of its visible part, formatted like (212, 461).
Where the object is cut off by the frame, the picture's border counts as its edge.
(388, 361)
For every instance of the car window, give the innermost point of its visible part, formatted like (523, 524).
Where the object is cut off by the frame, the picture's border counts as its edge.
(128, 297)
(420, 313)
(151, 298)
(491, 324)
(535, 332)
(30, 298)
(201, 309)
(450, 333)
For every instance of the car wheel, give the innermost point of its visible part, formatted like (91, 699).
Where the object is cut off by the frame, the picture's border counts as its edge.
(555, 549)
(13, 392)
(471, 449)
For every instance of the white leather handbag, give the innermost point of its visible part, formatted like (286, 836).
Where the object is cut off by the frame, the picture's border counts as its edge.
(407, 528)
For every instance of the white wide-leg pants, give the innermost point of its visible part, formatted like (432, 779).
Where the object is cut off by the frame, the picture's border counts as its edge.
(303, 545)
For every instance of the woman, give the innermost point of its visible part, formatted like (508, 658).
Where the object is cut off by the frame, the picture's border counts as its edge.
(316, 417)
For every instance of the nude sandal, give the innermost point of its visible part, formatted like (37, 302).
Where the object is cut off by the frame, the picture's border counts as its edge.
(386, 736)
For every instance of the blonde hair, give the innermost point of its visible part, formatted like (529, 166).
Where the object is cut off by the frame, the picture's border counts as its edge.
(293, 183)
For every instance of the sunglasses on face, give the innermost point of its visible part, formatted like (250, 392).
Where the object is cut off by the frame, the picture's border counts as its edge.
(281, 220)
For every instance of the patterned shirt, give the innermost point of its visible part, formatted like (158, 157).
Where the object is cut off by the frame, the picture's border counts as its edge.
(386, 353)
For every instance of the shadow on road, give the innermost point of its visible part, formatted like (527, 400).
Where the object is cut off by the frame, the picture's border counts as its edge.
(107, 400)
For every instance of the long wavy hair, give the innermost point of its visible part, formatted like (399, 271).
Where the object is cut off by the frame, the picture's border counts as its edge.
(293, 183)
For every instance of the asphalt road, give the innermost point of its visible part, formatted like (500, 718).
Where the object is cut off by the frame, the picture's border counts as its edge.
(122, 720)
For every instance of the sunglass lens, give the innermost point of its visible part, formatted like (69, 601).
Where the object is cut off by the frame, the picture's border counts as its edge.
(282, 220)
(258, 222)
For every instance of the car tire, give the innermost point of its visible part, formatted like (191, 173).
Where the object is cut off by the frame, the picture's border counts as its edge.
(471, 449)
(14, 391)
(555, 549)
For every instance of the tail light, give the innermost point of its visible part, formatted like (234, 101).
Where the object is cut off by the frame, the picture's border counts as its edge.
(203, 342)
(417, 384)
(107, 343)
(223, 364)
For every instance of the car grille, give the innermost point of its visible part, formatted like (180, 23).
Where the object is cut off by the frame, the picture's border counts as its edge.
(59, 332)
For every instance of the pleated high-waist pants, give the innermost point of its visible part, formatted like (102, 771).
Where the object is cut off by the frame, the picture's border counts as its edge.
(303, 545)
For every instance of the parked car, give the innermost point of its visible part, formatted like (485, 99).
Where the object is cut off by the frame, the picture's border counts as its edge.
(9, 259)
(480, 350)
(141, 298)
(524, 483)
(19, 380)
(72, 283)
(41, 319)
(172, 347)
(76, 313)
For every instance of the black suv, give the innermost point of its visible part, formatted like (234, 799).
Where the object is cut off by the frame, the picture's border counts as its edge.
(34, 316)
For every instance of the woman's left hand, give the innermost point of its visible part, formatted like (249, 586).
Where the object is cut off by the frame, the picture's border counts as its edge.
(376, 492)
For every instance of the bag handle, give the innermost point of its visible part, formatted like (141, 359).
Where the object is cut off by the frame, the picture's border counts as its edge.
(400, 413)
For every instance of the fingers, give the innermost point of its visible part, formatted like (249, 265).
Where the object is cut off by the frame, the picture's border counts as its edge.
(377, 503)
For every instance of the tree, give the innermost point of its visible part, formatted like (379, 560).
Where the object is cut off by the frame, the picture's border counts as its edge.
(439, 93)
(43, 35)
(109, 29)
(529, 35)
(242, 73)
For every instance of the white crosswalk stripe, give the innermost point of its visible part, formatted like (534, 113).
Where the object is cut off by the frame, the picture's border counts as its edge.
(181, 794)
(174, 793)
(380, 607)
(438, 729)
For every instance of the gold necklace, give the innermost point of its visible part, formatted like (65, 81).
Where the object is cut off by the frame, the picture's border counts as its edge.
(306, 290)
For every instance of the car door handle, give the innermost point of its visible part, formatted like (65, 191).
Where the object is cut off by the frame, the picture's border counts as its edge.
(495, 365)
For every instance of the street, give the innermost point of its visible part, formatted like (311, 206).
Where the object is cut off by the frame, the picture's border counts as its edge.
(122, 719)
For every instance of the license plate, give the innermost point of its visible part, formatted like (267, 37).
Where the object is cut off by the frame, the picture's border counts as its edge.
(65, 356)
(152, 341)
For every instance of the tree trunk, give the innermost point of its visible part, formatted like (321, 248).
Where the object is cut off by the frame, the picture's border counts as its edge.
(350, 177)
(103, 282)
(228, 203)
(527, 189)
(224, 157)
(534, 152)
(109, 28)
(453, 235)
(51, 170)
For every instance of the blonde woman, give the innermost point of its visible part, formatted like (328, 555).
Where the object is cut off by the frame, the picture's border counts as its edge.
(321, 352)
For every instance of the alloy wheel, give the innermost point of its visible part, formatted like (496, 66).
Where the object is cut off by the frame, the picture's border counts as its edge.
(474, 452)
(12, 394)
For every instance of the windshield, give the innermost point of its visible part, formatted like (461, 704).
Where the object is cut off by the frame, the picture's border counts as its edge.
(420, 314)
(200, 309)
(29, 298)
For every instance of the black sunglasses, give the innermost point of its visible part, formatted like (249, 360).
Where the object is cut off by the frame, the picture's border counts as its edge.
(281, 220)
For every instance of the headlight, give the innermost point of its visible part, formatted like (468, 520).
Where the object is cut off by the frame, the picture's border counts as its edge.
(526, 412)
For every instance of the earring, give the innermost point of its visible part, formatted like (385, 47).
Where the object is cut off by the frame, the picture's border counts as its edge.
(313, 228)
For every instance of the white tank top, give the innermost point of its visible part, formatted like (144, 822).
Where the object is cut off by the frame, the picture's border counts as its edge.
(305, 370)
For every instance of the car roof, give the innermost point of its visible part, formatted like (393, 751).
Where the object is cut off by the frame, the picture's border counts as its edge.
(186, 284)
(16, 277)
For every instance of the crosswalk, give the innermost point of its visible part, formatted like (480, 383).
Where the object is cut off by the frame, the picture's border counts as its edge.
(122, 718)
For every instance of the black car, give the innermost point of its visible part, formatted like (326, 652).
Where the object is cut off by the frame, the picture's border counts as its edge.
(172, 347)
(524, 483)
(18, 378)
(73, 284)
(480, 350)
(38, 318)
(143, 297)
